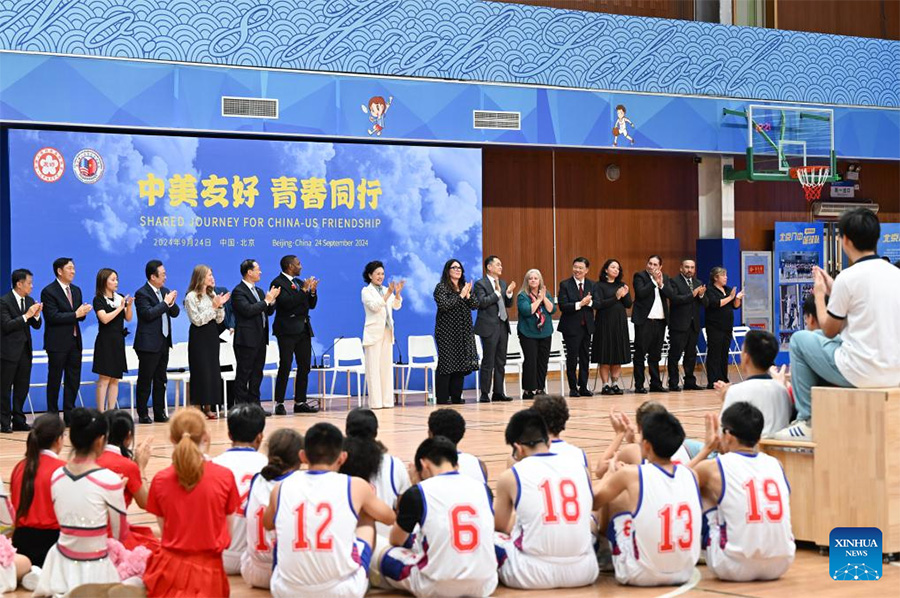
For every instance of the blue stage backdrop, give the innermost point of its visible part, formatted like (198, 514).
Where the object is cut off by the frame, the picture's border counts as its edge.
(110, 200)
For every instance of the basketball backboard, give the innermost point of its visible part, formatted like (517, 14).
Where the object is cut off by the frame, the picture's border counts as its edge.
(782, 138)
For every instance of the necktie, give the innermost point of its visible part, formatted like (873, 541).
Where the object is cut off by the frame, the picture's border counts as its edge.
(72, 305)
(298, 283)
(501, 304)
(690, 282)
(580, 290)
(22, 305)
(265, 318)
(165, 318)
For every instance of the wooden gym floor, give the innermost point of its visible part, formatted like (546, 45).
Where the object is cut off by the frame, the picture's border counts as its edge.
(402, 428)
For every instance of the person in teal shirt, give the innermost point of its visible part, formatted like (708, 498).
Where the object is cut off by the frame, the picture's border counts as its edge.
(535, 328)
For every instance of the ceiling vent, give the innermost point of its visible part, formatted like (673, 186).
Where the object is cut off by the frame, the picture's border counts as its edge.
(833, 210)
(249, 107)
(492, 119)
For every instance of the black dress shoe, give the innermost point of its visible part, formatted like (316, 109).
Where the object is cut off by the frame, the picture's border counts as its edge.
(280, 410)
(501, 398)
(692, 387)
(616, 390)
(456, 402)
(6, 430)
(528, 395)
(607, 390)
(268, 413)
(585, 393)
(658, 389)
(484, 398)
(305, 408)
(574, 393)
(674, 389)
(161, 419)
(640, 391)
(145, 420)
(443, 402)
(21, 428)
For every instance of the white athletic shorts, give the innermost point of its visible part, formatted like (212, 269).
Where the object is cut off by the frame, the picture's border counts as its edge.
(529, 572)
(732, 567)
(632, 571)
(255, 575)
(354, 585)
(399, 569)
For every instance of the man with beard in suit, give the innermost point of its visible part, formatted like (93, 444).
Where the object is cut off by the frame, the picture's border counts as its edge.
(684, 324)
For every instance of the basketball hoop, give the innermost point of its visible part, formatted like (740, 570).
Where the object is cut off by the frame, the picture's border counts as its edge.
(813, 178)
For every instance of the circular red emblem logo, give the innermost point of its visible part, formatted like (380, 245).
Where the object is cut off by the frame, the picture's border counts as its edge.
(49, 165)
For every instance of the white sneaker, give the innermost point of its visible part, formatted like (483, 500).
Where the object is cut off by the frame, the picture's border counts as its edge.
(799, 430)
(30, 579)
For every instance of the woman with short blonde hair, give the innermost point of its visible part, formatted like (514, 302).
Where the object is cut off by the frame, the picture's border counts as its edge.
(535, 330)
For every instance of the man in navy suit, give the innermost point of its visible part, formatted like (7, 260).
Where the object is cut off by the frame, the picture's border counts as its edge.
(649, 315)
(492, 325)
(252, 309)
(63, 310)
(18, 311)
(155, 309)
(577, 325)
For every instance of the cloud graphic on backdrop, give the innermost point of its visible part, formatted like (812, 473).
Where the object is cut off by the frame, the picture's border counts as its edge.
(304, 160)
(432, 206)
(113, 202)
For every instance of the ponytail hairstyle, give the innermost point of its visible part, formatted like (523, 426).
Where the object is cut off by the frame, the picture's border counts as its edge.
(45, 431)
(363, 423)
(285, 445)
(121, 427)
(85, 427)
(187, 429)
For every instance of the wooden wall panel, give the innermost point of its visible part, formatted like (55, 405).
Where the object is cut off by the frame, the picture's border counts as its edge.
(759, 205)
(862, 18)
(663, 9)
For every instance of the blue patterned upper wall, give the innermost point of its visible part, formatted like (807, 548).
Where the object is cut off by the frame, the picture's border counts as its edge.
(470, 40)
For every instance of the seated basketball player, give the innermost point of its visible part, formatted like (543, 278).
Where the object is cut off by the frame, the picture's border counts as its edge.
(548, 497)
(555, 411)
(324, 522)
(454, 555)
(652, 510)
(245, 429)
(746, 496)
(451, 425)
(626, 432)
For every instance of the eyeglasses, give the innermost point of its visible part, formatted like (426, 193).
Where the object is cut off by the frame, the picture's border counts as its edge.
(455, 268)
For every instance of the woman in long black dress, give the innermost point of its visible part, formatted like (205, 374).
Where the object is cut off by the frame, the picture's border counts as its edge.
(206, 311)
(453, 332)
(720, 301)
(112, 310)
(612, 346)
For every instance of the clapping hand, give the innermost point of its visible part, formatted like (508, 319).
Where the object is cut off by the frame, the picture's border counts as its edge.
(128, 301)
(712, 431)
(390, 291)
(700, 290)
(170, 297)
(511, 287)
(311, 284)
(721, 388)
(466, 290)
(740, 295)
(779, 374)
(221, 299)
(733, 292)
(825, 276)
(83, 310)
(142, 452)
(399, 287)
(586, 300)
(820, 286)
(33, 311)
(273, 294)
(621, 291)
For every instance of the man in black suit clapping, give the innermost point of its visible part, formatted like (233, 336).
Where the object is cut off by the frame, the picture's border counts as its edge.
(492, 325)
(18, 311)
(577, 325)
(156, 307)
(649, 316)
(252, 309)
(294, 333)
(684, 324)
(63, 309)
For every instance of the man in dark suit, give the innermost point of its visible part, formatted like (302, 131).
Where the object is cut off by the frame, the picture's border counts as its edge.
(684, 324)
(494, 298)
(294, 332)
(252, 309)
(577, 325)
(18, 311)
(63, 309)
(649, 316)
(155, 309)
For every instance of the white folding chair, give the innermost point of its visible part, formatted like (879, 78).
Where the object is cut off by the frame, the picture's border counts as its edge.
(514, 356)
(131, 364)
(479, 349)
(738, 333)
(558, 358)
(40, 357)
(422, 352)
(177, 371)
(631, 348)
(227, 357)
(347, 351)
(272, 358)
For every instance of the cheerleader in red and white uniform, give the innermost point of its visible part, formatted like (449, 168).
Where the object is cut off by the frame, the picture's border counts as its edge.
(36, 527)
(87, 500)
(193, 499)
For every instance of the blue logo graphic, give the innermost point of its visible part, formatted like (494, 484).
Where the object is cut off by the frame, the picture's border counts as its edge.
(855, 554)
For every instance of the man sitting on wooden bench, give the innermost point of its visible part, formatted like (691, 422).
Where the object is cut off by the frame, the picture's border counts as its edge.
(863, 308)
(746, 501)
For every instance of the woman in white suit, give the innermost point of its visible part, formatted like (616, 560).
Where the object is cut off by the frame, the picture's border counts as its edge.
(378, 335)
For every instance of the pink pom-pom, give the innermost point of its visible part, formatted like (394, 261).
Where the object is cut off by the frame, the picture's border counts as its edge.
(129, 563)
(7, 552)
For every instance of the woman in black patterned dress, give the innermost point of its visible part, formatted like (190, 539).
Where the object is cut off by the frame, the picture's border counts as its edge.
(453, 332)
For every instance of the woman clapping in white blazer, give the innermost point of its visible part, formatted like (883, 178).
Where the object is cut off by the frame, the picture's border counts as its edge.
(378, 335)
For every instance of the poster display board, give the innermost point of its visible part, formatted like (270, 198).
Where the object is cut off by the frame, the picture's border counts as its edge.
(798, 249)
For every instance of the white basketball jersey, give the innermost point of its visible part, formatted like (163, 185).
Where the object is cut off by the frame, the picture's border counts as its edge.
(561, 447)
(470, 467)
(553, 506)
(755, 507)
(682, 456)
(392, 481)
(244, 463)
(667, 525)
(316, 529)
(458, 529)
(260, 542)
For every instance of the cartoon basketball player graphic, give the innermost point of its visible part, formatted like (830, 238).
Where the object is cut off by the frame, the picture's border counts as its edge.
(621, 126)
(376, 109)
